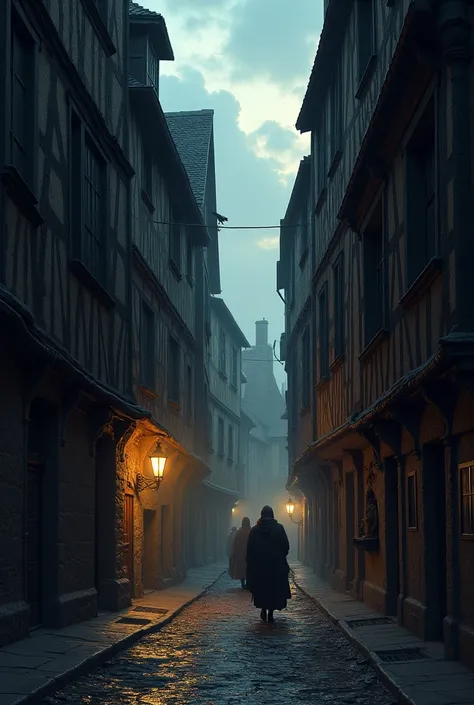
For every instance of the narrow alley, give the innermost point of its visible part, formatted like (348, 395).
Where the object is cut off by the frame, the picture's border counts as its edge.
(218, 652)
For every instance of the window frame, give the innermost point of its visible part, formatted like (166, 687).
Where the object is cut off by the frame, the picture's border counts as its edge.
(374, 293)
(175, 243)
(174, 371)
(364, 60)
(230, 444)
(20, 26)
(147, 359)
(418, 257)
(339, 305)
(79, 135)
(306, 368)
(461, 468)
(220, 436)
(323, 325)
(222, 352)
(234, 367)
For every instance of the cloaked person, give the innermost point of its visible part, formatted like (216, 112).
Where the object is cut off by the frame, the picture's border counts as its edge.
(267, 565)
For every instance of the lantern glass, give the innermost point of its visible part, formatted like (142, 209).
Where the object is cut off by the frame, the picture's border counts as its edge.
(290, 507)
(158, 463)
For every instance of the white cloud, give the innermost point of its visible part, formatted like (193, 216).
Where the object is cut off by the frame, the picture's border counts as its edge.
(269, 243)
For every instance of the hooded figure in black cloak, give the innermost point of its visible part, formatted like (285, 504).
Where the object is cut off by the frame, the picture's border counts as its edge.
(267, 567)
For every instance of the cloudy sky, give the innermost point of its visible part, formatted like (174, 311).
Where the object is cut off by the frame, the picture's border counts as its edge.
(250, 61)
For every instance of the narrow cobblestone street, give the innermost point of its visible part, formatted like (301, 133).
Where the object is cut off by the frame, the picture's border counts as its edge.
(218, 652)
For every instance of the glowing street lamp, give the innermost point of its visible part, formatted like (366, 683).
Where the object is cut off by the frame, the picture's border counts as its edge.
(290, 508)
(158, 464)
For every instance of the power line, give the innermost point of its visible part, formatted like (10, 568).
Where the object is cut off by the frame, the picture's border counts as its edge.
(228, 227)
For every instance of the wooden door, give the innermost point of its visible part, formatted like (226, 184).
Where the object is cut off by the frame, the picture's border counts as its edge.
(128, 536)
(34, 542)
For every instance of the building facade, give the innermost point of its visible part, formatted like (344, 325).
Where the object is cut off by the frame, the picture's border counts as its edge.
(65, 310)
(165, 308)
(224, 486)
(386, 467)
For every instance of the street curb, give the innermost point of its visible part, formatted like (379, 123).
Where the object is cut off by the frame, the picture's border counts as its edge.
(91, 663)
(383, 676)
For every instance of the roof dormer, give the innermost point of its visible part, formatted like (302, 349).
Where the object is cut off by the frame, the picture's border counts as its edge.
(149, 44)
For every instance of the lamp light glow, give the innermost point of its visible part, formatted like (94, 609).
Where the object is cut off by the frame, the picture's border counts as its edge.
(158, 463)
(290, 507)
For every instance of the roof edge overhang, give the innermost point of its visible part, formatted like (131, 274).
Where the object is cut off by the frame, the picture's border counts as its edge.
(334, 26)
(152, 119)
(223, 312)
(156, 27)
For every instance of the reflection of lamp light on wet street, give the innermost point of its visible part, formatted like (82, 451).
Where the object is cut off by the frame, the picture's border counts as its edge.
(290, 508)
(158, 463)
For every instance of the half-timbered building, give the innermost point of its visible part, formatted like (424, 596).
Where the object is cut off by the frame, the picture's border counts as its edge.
(65, 253)
(224, 486)
(193, 134)
(388, 475)
(169, 234)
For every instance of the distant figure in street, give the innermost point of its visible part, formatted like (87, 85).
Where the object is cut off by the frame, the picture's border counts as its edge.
(230, 541)
(238, 555)
(267, 566)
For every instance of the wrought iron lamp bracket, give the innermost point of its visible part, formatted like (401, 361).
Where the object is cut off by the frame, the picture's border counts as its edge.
(147, 483)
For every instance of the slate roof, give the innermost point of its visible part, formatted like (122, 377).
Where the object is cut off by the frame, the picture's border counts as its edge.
(192, 133)
(136, 10)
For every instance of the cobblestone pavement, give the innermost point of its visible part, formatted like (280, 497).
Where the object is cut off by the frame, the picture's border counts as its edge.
(218, 652)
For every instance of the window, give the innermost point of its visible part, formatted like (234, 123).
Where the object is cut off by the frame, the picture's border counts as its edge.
(148, 172)
(211, 431)
(222, 353)
(147, 346)
(335, 99)
(374, 274)
(175, 239)
(323, 331)
(467, 499)
(230, 443)
(306, 381)
(174, 367)
(303, 228)
(94, 209)
(421, 196)
(189, 392)
(321, 157)
(411, 498)
(365, 35)
(339, 321)
(235, 367)
(220, 436)
(153, 69)
(88, 200)
(22, 99)
(189, 260)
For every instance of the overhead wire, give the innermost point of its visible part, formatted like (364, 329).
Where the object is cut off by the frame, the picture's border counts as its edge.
(228, 227)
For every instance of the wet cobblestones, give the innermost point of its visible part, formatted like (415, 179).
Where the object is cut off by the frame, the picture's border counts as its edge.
(218, 652)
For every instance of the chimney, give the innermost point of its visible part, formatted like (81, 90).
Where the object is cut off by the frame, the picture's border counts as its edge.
(261, 332)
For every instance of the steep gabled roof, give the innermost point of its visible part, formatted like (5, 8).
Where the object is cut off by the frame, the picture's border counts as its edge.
(221, 310)
(192, 134)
